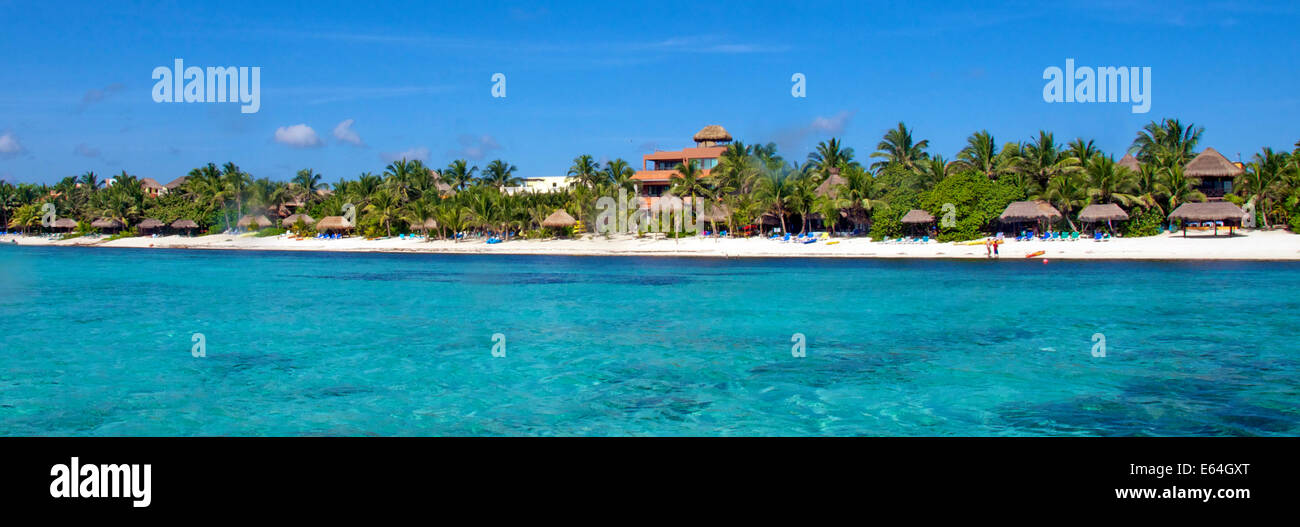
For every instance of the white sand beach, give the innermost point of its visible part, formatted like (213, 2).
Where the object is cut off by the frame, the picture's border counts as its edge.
(1245, 245)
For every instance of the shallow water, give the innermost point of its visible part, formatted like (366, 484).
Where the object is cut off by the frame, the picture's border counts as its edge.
(97, 341)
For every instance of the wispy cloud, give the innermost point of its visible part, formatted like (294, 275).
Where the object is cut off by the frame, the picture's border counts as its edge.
(99, 95)
(85, 150)
(344, 132)
(795, 137)
(475, 148)
(421, 153)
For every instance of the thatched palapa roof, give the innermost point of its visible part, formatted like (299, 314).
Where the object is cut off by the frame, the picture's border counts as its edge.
(917, 216)
(106, 223)
(293, 220)
(1130, 162)
(559, 218)
(333, 223)
(1102, 212)
(151, 223)
(1029, 210)
(428, 225)
(712, 132)
(831, 187)
(184, 224)
(1211, 163)
(1208, 211)
(64, 223)
(262, 221)
(151, 183)
(176, 183)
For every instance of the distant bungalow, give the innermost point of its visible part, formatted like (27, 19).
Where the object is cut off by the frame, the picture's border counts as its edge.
(659, 169)
(1214, 172)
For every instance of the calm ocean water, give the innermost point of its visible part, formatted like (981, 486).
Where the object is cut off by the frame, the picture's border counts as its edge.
(98, 342)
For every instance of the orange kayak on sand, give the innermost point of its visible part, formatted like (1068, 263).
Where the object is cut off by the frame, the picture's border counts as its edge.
(1036, 253)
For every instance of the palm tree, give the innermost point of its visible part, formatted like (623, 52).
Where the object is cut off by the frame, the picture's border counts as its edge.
(898, 148)
(829, 156)
(304, 184)
(1260, 183)
(501, 174)
(687, 182)
(1043, 159)
(862, 194)
(1167, 144)
(1067, 192)
(774, 193)
(1083, 150)
(930, 172)
(459, 174)
(620, 173)
(1110, 183)
(1179, 188)
(385, 208)
(237, 182)
(980, 155)
(585, 171)
(1149, 186)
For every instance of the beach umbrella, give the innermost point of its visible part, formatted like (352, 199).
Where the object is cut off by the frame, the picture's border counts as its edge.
(559, 219)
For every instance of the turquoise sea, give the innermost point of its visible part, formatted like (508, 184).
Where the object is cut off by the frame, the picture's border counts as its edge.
(99, 342)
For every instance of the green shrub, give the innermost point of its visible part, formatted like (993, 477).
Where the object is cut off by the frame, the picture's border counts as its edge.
(270, 231)
(977, 203)
(1143, 222)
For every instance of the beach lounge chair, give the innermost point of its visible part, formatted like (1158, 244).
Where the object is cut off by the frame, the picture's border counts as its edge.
(1074, 236)
(925, 239)
(1096, 236)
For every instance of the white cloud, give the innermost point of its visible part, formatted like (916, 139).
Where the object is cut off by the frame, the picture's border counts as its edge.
(796, 137)
(298, 135)
(410, 154)
(9, 145)
(343, 132)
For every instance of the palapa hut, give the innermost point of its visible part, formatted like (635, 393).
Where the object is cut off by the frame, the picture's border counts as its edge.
(428, 225)
(333, 223)
(1210, 211)
(917, 217)
(1100, 212)
(249, 220)
(64, 224)
(1030, 211)
(185, 225)
(1215, 173)
(831, 187)
(152, 187)
(295, 218)
(150, 224)
(712, 135)
(559, 220)
(106, 224)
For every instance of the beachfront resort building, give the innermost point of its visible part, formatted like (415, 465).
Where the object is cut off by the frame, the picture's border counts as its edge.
(1214, 172)
(542, 184)
(659, 169)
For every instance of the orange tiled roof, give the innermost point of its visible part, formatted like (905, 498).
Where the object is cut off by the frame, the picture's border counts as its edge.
(661, 176)
(705, 152)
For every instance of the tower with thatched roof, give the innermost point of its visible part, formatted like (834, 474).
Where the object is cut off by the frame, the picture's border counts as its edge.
(712, 135)
(1215, 173)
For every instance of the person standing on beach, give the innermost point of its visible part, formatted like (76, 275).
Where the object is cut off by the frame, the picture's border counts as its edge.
(996, 243)
(988, 248)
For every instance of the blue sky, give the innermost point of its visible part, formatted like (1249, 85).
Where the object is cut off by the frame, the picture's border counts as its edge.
(613, 79)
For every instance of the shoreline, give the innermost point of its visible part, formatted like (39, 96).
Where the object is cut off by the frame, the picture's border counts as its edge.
(1277, 245)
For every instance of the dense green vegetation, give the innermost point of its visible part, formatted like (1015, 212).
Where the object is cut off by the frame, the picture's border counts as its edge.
(753, 183)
